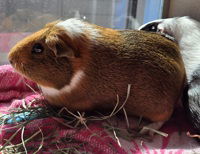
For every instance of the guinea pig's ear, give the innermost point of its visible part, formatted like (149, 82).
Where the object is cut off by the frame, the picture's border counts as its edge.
(151, 26)
(60, 45)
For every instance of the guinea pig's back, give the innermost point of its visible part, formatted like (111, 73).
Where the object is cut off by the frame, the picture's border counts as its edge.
(153, 66)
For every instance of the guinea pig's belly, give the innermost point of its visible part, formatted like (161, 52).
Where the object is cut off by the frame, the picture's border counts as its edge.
(72, 100)
(155, 109)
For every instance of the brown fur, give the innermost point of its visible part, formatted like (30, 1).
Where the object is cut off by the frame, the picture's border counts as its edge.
(149, 62)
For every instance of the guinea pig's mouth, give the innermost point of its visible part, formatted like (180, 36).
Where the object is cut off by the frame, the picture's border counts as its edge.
(19, 67)
(14, 65)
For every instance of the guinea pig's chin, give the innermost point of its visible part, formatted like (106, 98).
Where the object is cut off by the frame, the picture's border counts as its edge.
(19, 68)
(16, 67)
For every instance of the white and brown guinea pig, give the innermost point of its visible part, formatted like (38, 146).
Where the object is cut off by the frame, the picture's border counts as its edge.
(186, 32)
(83, 67)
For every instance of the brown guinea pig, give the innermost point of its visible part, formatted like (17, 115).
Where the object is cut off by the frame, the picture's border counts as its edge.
(83, 67)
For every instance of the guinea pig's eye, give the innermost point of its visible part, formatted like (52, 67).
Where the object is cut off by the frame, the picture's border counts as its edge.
(37, 48)
(153, 28)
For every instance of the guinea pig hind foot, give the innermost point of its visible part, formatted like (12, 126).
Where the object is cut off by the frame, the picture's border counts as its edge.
(152, 129)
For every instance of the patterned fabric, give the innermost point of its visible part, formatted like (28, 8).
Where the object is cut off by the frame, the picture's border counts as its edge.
(50, 134)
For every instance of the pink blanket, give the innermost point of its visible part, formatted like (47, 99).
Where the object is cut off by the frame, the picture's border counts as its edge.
(50, 134)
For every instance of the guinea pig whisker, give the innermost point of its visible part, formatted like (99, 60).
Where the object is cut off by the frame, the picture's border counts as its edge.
(23, 67)
(21, 64)
(56, 59)
(15, 65)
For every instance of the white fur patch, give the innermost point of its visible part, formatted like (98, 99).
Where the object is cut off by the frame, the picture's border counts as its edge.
(76, 79)
(75, 27)
(186, 32)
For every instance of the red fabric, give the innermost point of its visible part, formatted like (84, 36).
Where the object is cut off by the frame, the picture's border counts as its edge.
(14, 93)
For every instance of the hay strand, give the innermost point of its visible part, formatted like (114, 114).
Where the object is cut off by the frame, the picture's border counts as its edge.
(155, 131)
(22, 138)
